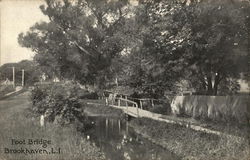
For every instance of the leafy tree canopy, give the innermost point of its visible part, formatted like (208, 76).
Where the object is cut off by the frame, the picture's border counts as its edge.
(81, 38)
(32, 72)
(203, 42)
(151, 46)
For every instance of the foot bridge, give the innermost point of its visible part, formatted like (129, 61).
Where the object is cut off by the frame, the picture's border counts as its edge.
(132, 109)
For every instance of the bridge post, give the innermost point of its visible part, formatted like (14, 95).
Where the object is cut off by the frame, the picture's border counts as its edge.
(119, 102)
(127, 110)
(141, 104)
(106, 101)
(137, 110)
(126, 102)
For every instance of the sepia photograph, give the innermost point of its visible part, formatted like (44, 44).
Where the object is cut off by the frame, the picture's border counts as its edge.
(124, 79)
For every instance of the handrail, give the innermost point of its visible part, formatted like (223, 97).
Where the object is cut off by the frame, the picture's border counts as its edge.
(147, 99)
(127, 100)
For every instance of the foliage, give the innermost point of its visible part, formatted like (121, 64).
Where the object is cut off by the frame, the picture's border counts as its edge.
(87, 95)
(148, 72)
(150, 47)
(73, 143)
(80, 40)
(203, 42)
(32, 73)
(58, 102)
(161, 109)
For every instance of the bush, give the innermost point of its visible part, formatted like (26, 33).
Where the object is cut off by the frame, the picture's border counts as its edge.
(87, 95)
(58, 102)
(161, 109)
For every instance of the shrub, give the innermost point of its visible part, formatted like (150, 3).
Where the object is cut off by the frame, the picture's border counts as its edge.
(161, 109)
(58, 102)
(88, 95)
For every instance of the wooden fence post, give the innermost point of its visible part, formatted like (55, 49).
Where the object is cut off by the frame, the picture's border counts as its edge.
(119, 102)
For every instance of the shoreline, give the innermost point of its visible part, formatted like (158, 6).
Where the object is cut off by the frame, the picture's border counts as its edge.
(184, 142)
(18, 123)
(189, 144)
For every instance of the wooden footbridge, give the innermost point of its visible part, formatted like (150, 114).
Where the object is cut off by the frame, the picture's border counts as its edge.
(132, 109)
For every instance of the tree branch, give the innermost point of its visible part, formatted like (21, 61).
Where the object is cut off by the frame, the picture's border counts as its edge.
(82, 49)
(77, 45)
(98, 16)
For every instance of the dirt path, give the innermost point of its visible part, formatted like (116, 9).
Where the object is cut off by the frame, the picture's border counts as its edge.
(11, 109)
(14, 104)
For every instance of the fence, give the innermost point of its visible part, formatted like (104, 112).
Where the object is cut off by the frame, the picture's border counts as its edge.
(217, 108)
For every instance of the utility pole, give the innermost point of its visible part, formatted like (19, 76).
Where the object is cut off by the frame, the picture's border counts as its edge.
(22, 77)
(13, 69)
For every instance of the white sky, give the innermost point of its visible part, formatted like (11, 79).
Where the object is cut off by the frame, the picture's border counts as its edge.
(16, 17)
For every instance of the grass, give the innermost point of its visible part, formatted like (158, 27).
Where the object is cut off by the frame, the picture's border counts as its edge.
(232, 128)
(17, 124)
(5, 89)
(190, 144)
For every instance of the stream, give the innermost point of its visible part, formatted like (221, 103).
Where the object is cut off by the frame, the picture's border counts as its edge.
(119, 141)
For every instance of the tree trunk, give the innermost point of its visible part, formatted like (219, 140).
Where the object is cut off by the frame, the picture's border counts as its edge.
(216, 83)
(210, 87)
(217, 80)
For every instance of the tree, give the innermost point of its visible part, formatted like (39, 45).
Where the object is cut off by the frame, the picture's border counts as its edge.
(217, 45)
(32, 72)
(80, 40)
(152, 69)
(203, 42)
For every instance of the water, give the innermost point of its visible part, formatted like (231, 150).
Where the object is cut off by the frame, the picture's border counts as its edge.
(119, 142)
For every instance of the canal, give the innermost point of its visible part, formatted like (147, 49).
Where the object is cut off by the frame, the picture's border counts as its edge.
(119, 141)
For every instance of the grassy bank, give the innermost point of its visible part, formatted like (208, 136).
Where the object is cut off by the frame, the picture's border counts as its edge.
(5, 89)
(17, 124)
(190, 144)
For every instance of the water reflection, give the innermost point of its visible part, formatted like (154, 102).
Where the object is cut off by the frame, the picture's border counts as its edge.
(119, 142)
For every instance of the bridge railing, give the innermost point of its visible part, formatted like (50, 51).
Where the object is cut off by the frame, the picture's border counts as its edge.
(134, 104)
(124, 102)
(141, 103)
(145, 103)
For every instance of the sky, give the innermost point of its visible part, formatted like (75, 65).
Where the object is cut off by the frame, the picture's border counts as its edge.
(17, 16)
